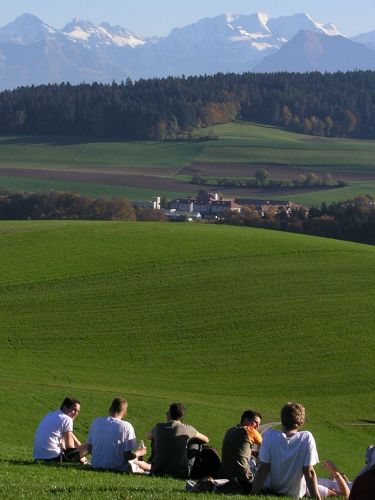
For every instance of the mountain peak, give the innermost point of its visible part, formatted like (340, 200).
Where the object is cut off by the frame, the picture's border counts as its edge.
(78, 22)
(25, 29)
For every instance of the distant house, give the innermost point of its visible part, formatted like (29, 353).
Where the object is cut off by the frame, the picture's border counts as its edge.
(155, 203)
(219, 206)
(182, 205)
(267, 206)
(205, 204)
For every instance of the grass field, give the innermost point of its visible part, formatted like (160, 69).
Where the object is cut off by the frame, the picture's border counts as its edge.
(223, 318)
(245, 142)
(142, 169)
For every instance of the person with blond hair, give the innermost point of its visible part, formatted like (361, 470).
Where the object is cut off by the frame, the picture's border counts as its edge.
(287, 458)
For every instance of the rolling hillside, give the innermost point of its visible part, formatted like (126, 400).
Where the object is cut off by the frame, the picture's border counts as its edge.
(222, 318)
(142, 170)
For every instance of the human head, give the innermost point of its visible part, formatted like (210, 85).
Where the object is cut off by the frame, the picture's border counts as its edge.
(118, 407)
(71, 407)
(176, 411)
(292, 416)
(251, 418)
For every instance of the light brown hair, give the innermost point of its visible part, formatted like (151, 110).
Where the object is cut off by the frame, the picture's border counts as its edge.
(292, 415)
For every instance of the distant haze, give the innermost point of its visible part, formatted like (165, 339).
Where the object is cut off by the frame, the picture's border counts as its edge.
(148, 17)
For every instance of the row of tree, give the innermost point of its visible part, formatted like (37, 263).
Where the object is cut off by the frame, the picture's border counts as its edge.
(60, 205)
(352, 220)
(262, 179)
(337, 105)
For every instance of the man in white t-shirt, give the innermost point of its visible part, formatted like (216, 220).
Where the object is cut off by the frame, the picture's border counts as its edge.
(112, 441)
(54, 437)
(288, 457)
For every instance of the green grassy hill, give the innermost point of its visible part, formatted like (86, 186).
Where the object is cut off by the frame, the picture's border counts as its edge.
(223, 318)
(143, 169)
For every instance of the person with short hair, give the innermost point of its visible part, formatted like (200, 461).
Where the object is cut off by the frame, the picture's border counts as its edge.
(54, 437)
(237, 447)
(171, 452)
(287, 457)
(112, 441)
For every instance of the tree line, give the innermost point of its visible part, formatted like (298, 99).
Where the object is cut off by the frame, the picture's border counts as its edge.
(348, 220)
(332, 105)
(263, 180)
(352, 220)
(62, 206)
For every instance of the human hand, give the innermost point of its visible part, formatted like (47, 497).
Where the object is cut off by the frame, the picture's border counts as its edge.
(330, 467)
(141, 451)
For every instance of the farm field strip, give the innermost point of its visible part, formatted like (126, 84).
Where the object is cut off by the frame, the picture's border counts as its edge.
(144, 169)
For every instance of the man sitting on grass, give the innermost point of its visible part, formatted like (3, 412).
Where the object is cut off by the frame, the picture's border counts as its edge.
(112, 441)
(54, 438)
(288, 457)
(173, 452)
(237, 449)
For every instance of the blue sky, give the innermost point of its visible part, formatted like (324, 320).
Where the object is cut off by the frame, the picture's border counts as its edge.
(158, 17)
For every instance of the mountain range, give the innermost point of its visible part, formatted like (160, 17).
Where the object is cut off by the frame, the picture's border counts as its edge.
(32, 52)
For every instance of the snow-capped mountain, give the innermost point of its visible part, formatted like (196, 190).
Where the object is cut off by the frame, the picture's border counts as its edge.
(26, 29)
(32, 52)
(85, 32)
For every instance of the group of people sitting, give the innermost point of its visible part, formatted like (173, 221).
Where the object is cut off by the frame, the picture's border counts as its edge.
(285, 465)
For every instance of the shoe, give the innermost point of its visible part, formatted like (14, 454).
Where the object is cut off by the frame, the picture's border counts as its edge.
(203, 485)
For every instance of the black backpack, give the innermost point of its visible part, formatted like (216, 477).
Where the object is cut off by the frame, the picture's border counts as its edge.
(207, 463)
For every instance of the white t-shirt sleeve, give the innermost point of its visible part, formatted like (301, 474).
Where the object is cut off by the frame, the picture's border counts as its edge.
(311, 457)
(130, 441)
(67, 424)
(265, 449)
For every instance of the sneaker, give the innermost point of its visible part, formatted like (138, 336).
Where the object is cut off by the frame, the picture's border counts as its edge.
(203, 485)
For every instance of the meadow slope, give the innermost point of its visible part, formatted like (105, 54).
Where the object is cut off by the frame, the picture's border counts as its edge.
(144, 169)
(223, 318)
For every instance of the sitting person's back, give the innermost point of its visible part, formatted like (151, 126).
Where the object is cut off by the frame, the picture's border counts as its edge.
(170, 441)
(287, 457)
(112, 440)
(237, 447)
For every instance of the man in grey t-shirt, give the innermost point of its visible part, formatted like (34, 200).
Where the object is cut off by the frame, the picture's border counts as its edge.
(170, 444)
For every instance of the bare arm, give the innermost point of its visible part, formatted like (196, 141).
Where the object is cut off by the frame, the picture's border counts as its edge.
(68, 440)
(311, 481)
(77, 442)
(260, 478)
(132, 454)
(340, 478)
(149, 436)
(202, 437)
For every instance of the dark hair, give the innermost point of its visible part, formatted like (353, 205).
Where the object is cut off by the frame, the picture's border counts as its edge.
(292, 415)
(176, 411)
(68, 403)
(250, 415)
(117, 405)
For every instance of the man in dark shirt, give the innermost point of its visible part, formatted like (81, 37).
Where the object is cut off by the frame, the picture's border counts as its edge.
(170, 442)
(237, 447)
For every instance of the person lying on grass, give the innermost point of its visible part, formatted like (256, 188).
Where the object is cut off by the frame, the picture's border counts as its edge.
(336, 485)
(112, 442)
(287, 457)
(363, 487)
(174, 445)
(54, 438)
